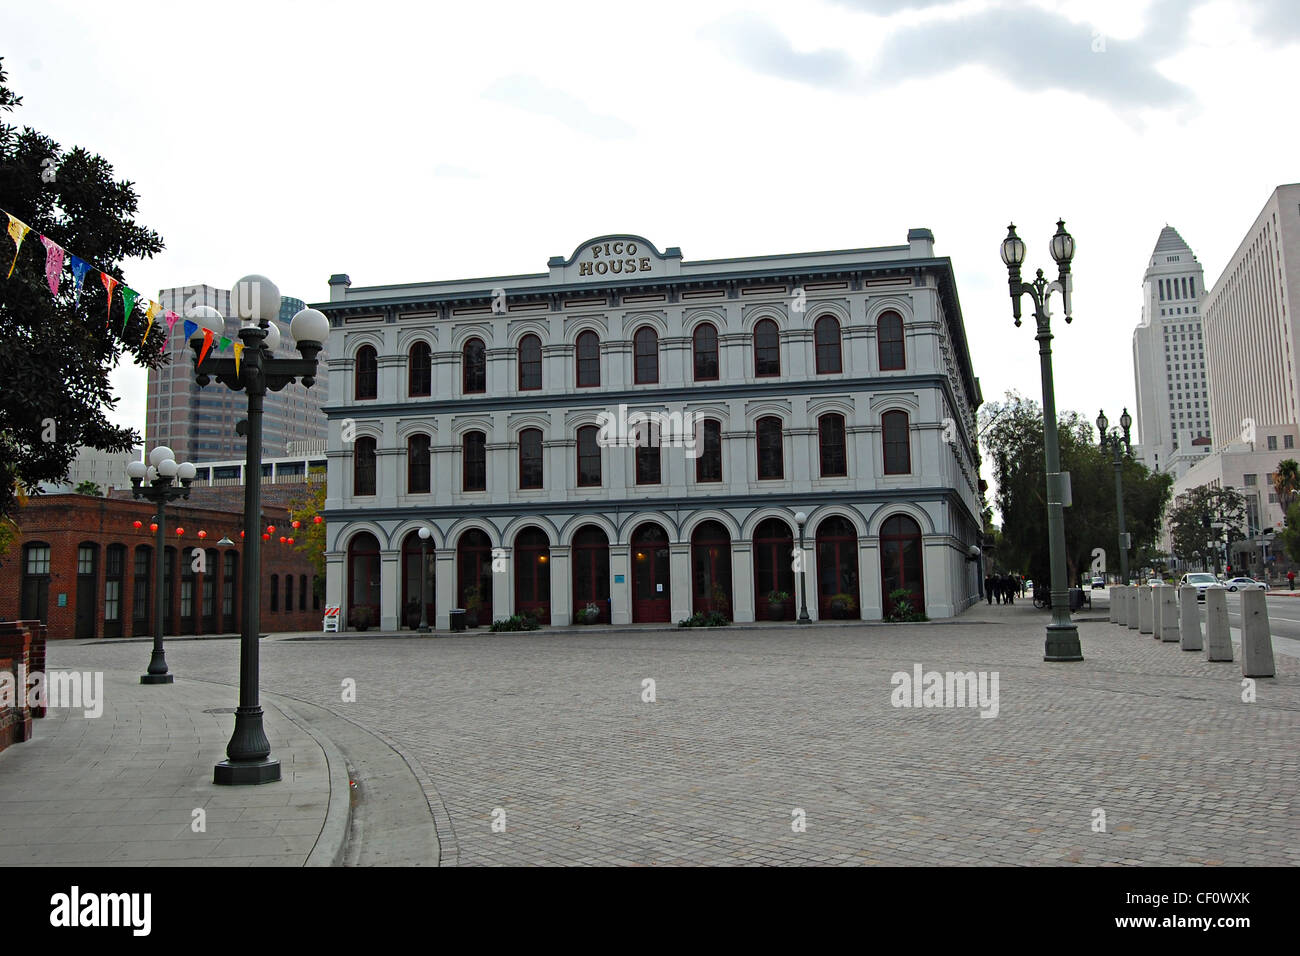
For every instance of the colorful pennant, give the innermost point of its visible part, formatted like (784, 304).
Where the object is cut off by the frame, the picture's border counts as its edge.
(128, 303)
(207, 344)
(53, 264)
(109, 284)
(18, 230)
(239, 350)
(190, 328)
(79, 269)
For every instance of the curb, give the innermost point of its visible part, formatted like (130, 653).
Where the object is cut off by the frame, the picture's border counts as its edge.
(331, 845)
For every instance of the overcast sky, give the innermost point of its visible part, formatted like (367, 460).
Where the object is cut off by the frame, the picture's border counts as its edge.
(399, 142)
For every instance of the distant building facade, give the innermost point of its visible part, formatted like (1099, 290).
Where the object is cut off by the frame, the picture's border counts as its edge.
(105, 469)
(512, 417)
(1173, 405)
(198, 424)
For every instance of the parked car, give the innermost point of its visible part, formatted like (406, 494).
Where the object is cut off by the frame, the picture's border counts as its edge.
(1244, 584)
(1029, 586)
(1200, 580)
(1098, 583)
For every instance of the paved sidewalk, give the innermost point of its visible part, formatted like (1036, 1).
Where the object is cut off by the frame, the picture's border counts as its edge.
(126, 788)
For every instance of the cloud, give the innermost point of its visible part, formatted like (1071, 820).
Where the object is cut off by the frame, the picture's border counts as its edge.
(529, 94)
(1029, 47)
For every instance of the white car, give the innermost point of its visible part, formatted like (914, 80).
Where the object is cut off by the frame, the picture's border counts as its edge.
(1200, 580)
(1244, 584)
(1098, 583)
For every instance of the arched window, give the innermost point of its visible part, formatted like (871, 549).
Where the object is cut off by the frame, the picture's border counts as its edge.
(366, 374)
(87, 588)
(889, 340)
(363, 579)
(901, 562)
(588, 457)
(711, 569)
(775, 596)
(837, 569)
(647, 455)
(533, 574)
(705, 346)
(530, 363)
(826, 334)
(419, 373)
(114, 572)
(288, 593)
(530, 458)
(229, 566)
(474, 446)
(771, 457)
(474, 573)
(708, 466)
(898, 453)
(363, 466)
(275, 593)
(645, 347)
(767, 349)
(590, 563)
(588, 353)
(315, 594)
(417, 465)
(141, 598)
(473, 358)
(830, 440)
(302, 592)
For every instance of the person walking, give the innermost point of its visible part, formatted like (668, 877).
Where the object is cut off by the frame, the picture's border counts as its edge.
(1011, 589)
(988, 586)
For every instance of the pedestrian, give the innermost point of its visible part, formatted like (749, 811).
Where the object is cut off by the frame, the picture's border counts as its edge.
(1290, 580)
(1020, 581)
(1011, 589)
(988, 586)
(999, 588)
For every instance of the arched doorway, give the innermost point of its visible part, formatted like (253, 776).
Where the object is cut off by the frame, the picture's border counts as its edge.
(412, 558)
(533, 574)
(711, 569)
(590, 558)
(651, 585)
(474, 575)
(774, 571)
(837, 569)
(363, 580)
(901, 564)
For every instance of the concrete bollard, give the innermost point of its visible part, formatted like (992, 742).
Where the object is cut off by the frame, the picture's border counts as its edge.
(1146, 611)
(1121, 606)
(1112, 615)
(1189, 619)
(1132, 606)
(1168, 597)
(1218, 639)
(1157, 608)
(1256, 638)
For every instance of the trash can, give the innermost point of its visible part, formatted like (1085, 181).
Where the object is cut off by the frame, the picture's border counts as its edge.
(457, 615)
(1076, 598)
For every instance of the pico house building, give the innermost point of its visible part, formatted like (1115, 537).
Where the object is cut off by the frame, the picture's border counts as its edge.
(640, 434)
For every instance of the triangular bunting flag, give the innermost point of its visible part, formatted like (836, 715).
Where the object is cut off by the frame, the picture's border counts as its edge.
(110, 284)
(79, 269)
(223, 344)
(18, 230)
(53, 264)
(239, 350)
(207, 344)
(128, 303)
(149, 313)
(190, 328)
(171, 318)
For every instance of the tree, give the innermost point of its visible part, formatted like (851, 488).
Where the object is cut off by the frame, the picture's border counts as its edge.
(1013, 435)
(89, 488)
(310, 536)
(1286, 482)
(57, 354)
(1203, 520)
(1289, 536)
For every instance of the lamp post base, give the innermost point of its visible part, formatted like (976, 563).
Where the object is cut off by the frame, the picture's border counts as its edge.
(156, 679)
(1063, 643)
(804, 618)
(234, 773)
(423, 629)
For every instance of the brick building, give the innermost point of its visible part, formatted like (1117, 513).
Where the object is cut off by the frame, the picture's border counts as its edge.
(80, 566)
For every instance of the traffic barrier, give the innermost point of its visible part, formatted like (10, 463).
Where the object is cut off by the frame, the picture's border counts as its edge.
(1218, 639)
(1168, 630)
(1146, 611)
(1189, 620)
(1256, 638)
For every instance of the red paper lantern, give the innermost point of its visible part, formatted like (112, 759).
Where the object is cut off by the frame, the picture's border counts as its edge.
(241, 534)
(266, 537)
(282, 539)
(203, 534)
(296, 524)
(317, 520)
(291, 540)
(138, 525)
(270, 529)
(180, 531)
(153, 527)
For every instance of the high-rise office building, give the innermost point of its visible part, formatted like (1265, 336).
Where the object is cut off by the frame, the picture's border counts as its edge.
(199, 423)
(1173, 407)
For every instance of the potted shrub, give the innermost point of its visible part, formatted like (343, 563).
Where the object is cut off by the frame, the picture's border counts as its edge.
(843, 606)
(412, 614)
(362, 617)
(473, 603)
(776, 601)
(588, 615)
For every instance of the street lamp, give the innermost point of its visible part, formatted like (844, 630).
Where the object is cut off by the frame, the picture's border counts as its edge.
(1062, 634)
(799, 520)
(162, 474)
(1126, 422)
(425, 535)
(255, 300)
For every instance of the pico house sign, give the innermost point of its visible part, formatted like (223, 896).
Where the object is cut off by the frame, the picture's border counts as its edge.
(615, 257)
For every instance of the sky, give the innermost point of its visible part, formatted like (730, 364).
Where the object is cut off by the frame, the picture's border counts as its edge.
(403, 142)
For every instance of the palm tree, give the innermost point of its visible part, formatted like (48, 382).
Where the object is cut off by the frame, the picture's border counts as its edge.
(1286, 482)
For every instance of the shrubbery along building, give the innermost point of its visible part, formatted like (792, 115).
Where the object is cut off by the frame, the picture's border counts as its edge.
(637, 432)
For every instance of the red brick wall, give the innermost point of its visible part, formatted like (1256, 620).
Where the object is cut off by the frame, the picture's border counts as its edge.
(64, 522)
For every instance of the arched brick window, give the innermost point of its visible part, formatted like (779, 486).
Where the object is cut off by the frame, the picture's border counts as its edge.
(645, 348)
(473, 359)
(826, 335)
(530, 363)
(588, 360)
(419, 370)
(704, 342)
(767, 349)
(366, 374)
(889, 341)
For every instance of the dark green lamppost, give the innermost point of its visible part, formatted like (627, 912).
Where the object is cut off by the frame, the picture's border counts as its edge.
(162, 474)
(256, 300)
(799, 519)
(1062, 634)
(1126, 422)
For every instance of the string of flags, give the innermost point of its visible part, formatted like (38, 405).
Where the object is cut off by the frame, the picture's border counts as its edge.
(55, 259)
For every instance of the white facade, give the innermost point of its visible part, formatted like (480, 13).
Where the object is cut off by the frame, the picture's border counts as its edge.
(906, 510)
(1173, 406)
(1251, 330)
(106, 469)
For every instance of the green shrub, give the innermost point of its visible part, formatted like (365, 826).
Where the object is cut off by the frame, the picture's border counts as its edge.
(517, 622)
(903, 612)
(712, 619)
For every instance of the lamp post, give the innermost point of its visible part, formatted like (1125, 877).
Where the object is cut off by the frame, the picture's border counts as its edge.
(425, 534)
(1062, 634)
(799, 520)
(255, 300)
(162, 474)
(1126, 422)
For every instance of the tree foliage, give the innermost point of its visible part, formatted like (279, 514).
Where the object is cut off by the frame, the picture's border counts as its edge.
(1013, 437)
(1286, 483)
(57, 355)
(1289, 536)
(310, 537)
(1204, 519)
